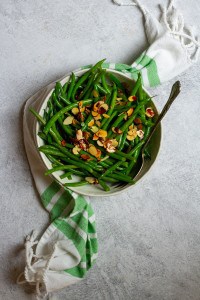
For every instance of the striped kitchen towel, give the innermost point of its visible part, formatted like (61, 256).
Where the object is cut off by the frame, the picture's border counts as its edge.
(68, 248)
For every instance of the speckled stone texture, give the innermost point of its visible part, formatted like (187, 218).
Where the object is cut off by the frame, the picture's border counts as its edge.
(149, 237)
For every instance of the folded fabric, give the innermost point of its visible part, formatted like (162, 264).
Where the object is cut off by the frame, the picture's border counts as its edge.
(173, 47)
(68, 248)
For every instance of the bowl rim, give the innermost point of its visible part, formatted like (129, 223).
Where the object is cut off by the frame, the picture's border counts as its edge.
(43, 157)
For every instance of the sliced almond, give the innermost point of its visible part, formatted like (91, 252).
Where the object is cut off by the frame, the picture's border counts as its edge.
(91, 123)
(130, 111)
(130, 137)
(97, 105)
(99, 142)
(132, 98)
(92, 150)
(118, 99)
(68, 120)
(98, 156)
(94, 113)
(98, 123)
(79, 134)
(75, 110)
(86, 135)
(95, 93)
(91, 180)
(140, 133)
(76, 150)
(94, 129)
(106, 116)
(98, 117)
(114, 142)
(101, 133)
(117, 130)
(85, 156)
(95, 137)
(149, 112)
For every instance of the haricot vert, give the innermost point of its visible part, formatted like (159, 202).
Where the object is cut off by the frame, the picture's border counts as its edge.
(94, 127)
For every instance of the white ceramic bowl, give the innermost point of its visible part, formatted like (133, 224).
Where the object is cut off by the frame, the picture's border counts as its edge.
(96, 190)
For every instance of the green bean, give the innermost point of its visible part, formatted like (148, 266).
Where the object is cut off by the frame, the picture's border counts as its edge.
(85, 76)
(111, 169)
(101, 89)
(122, 140)
(75, 184)
(137, 85)
(104, 185)
(109, 179)
(116, 81)
(65, 86)
(104, 83)
(54, 160)
(51, 151)
(42, 136)
(88, 86)
(56, 100)
(121, 177)
(81, 165)
(42, 121)
(65, 100)
(71, 86)
(60, 168)
(75, 172)
(62, 112)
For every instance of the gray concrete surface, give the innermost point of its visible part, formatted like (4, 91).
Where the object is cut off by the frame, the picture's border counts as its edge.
(149, 237)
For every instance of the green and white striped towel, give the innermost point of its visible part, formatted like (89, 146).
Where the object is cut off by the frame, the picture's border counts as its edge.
(68, 248)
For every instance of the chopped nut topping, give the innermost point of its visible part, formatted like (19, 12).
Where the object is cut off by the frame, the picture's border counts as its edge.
(149, 112)
(68, 120)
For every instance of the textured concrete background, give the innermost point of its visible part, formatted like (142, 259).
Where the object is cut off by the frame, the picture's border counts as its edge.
(149, 237)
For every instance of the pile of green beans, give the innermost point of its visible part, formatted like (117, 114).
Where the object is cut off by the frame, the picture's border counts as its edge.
(94, 127)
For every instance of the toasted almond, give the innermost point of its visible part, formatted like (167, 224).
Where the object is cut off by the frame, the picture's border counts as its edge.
(85, 156)
(149, 112)
(110, 149)
(132, 98)
(76, 150)
(80, 104)
(130, 127)
(75, 110)
(105, 106)
(68, 120)
(86, 135)
(139, 126)
(106, 116)
(94, 129)
(95, 93)
(94, 113)
(92, 150)
(118, 99)
(117, 130)
(91, 180)
(98, 123)
(99, 142)
(98, 156)
(137, 121)
(130, 137)
(79, 134)
(98, 117)
(95, 137)
(140, 133)
(130, 111)
(101, 133)
(82, 109)
(114, 142)
(91, 123)
(74, 122)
